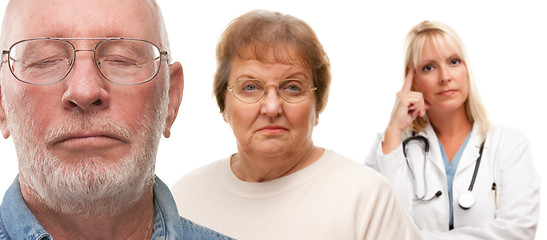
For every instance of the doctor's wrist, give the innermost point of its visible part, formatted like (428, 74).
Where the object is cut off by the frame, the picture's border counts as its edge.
(392, 139)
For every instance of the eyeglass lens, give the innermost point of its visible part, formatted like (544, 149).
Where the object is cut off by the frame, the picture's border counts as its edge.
(252, 90)
(47, 61)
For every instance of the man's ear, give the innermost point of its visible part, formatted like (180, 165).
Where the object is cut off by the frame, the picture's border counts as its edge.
(3, 122)
(176, 86)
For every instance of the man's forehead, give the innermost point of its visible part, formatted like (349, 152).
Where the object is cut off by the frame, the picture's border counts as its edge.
(82, 18)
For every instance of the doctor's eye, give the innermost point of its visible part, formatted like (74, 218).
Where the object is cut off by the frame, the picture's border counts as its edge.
(427, 68)
(455, 61)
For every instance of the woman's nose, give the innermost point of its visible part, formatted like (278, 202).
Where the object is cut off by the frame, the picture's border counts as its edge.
(272, 103)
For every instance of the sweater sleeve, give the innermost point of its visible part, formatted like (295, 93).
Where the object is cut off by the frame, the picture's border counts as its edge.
(387, 219)
(393, 166)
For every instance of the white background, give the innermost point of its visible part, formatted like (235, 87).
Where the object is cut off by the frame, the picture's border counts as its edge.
(506, 42)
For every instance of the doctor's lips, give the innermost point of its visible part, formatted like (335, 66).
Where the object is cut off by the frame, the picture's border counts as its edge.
(447, 92)
(272, 129)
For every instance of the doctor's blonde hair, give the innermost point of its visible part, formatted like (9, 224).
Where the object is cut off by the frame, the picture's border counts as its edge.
(415, 41)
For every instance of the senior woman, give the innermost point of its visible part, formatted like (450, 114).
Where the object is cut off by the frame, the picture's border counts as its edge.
(271, 83)
(458, 176)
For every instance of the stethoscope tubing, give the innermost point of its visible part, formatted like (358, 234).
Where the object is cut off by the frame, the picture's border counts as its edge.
(466, 200)
(477, 164)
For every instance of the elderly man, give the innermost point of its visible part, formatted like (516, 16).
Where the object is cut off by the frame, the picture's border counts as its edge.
(86, 92)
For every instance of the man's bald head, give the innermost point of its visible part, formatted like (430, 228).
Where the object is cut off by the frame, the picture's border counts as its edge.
(21, 13)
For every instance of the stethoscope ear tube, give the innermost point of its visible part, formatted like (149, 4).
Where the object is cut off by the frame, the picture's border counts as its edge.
(437, 194)
(419, 138)
(417, 166)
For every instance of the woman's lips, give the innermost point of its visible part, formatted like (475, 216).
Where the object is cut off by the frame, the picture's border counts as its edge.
(272, 129)
(447, 93)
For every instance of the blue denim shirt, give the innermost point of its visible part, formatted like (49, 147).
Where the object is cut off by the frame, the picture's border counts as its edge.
(18, 222)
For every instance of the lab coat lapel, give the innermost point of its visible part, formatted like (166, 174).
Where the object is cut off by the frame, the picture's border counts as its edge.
(435, 150)
(471, 150)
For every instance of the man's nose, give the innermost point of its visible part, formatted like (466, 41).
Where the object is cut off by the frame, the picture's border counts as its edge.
(86, 88)
(272, 103)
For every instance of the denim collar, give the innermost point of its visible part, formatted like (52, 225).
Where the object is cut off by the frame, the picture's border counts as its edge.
(167, 222)
(18, 223)
(17, 220)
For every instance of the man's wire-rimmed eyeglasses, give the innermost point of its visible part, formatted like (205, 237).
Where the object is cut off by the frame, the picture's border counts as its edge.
(123, 61)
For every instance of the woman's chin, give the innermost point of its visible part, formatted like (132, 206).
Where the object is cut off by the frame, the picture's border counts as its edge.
(271, 148)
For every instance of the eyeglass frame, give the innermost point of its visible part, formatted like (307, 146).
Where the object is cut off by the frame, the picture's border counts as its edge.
(94, 50)
(311, 90)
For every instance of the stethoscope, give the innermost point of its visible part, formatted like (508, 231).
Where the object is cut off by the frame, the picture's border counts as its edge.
(466, 200)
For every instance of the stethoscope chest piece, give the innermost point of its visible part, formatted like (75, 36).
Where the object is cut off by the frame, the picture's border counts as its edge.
(466, 200)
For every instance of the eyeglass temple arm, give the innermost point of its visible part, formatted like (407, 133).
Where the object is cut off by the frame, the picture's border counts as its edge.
(163, 53)
(4, 52)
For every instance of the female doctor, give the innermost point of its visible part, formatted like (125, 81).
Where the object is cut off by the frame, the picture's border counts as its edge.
(457, 176)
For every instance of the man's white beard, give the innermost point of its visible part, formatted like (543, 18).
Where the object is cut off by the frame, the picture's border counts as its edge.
(88, 187)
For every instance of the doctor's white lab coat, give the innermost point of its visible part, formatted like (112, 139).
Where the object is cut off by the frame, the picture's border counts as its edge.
(510, 212)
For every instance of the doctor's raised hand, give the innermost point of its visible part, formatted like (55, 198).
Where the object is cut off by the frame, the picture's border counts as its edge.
(458, 176)
(409, 105)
